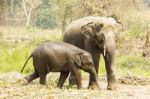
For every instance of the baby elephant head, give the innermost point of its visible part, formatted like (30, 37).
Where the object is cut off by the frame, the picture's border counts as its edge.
(92, 32)
(84, 61)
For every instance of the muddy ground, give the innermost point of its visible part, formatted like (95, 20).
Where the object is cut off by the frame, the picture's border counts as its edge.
(129, 87)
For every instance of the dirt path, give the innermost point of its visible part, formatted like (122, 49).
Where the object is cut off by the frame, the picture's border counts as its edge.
(13, 90)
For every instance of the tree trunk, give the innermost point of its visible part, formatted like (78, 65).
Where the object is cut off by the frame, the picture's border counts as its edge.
(146, 48)
(29, 18)
(27, 13)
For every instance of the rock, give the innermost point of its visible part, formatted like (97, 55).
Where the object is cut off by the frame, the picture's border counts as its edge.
(10, 77)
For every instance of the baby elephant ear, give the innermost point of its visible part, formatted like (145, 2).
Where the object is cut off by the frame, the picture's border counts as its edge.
(78, 60)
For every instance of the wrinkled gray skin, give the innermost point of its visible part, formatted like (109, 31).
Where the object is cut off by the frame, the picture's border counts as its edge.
(60, 57)
(97, 35)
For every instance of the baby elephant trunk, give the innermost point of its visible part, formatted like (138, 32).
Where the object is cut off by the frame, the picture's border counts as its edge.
(94, 76)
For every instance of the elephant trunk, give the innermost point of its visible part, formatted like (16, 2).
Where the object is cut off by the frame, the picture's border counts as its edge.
(94, 75)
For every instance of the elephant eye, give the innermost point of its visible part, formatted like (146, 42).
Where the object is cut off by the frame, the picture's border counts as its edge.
(89, 63)
(99, 38)
(86, 30)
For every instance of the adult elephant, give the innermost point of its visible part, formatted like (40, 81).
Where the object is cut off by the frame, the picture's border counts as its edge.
(97, 35)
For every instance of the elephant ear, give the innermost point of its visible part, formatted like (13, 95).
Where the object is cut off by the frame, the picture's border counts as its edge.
(78, 60)
(118, 29)
(90, 23)
(97, 27)
(88, 29)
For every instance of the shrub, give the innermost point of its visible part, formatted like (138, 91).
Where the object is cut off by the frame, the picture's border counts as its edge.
(44, 18)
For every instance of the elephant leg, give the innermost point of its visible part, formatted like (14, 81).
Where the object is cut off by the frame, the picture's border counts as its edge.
(92, 82)
(41, 68)
(42, 79)
(63, 77)
(109, 64)
(72, 80)
(42, 75)
(31, 77)
(77, 74)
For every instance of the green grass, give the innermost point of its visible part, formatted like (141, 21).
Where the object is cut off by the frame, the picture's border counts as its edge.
(13, 59)
(102, 70)
(14, 54)
(134, 64)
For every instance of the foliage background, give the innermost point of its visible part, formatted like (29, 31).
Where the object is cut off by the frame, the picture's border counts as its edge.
(26, 23)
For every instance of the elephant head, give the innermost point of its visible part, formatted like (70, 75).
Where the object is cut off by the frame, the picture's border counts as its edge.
(92, 32)
(101, 33)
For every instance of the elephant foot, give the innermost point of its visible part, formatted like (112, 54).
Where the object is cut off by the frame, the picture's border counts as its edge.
(23, 81)
(112, 87)
(59, 87)
(94, 86)
(42, 83)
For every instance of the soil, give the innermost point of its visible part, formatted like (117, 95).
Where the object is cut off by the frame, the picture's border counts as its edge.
(129, 87)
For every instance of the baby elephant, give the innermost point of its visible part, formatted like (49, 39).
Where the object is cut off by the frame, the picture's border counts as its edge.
(60, 57)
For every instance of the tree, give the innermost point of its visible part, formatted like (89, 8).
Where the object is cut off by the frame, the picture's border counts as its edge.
(28, 7)
(62, 10)
(146, 47)
(45, 18)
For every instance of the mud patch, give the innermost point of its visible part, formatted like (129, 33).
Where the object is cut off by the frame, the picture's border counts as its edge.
(10, 89)
(131, 79)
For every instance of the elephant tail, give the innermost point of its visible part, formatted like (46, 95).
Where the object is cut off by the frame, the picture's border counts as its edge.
(26, 63)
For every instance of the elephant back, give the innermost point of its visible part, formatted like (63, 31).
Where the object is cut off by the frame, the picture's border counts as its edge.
(75, 26)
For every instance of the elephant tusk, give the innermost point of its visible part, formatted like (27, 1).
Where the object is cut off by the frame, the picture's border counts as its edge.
(104, 50)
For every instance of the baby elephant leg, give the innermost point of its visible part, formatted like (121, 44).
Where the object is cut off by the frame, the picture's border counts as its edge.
(63, 77)
(31, 77)
(42, 74)
(72, 80)
(41, 68)
(42, 78)
(77, 74)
